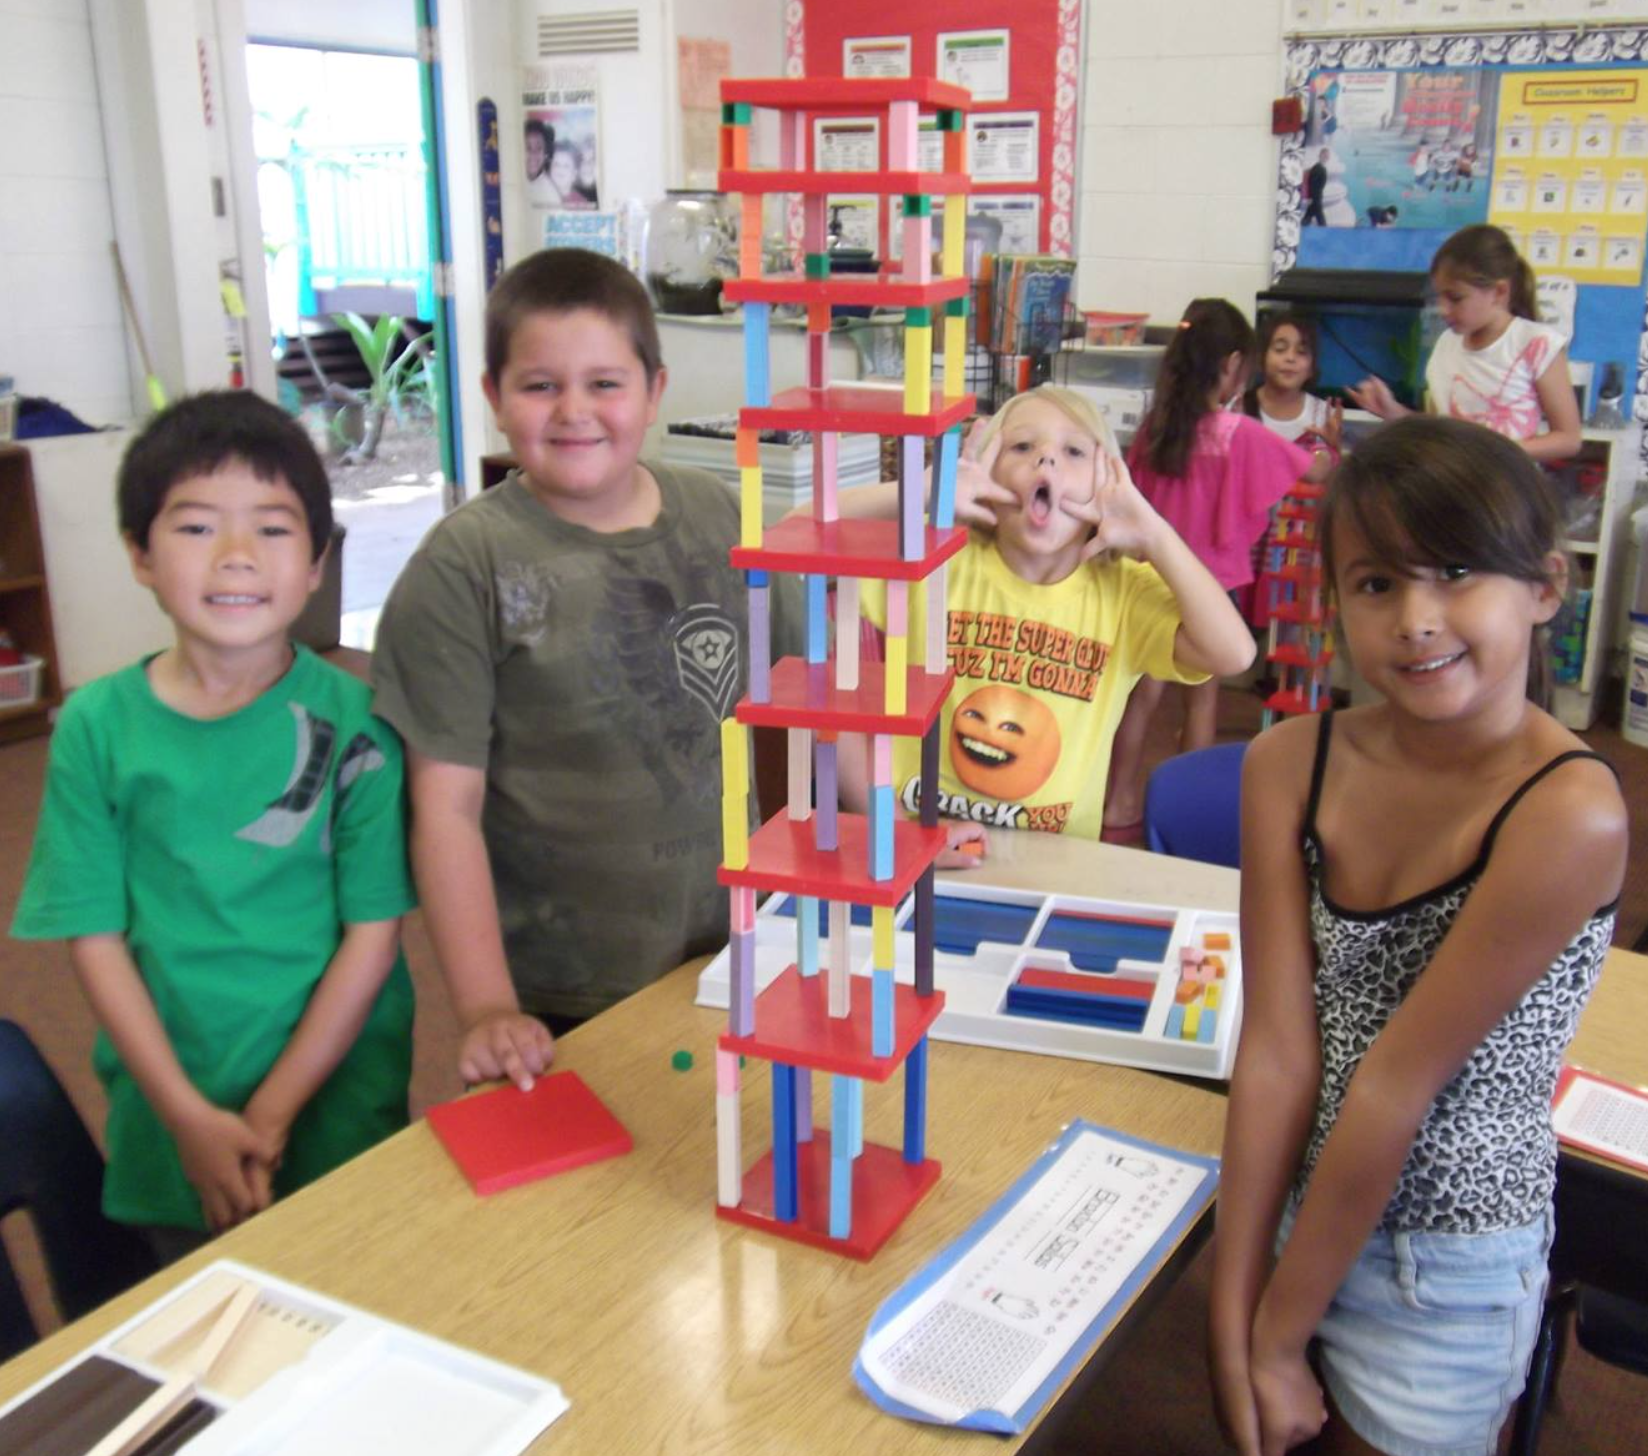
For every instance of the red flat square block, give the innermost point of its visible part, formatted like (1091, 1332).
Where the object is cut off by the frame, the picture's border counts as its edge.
(844, 93)
(848, 548)
(793, 1025)
(885, 1189)
(854, 408)
(783, 857)
(752, 180)
(507, 1137)
(892, 292)
(804, 695)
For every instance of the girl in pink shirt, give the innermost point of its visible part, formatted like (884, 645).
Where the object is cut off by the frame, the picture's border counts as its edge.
(1213, 474)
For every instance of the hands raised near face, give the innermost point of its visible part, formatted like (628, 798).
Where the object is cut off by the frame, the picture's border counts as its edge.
(1121, 518)
(977, 494)
(1375, 396)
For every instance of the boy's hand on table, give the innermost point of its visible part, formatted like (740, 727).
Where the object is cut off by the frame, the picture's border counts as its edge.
(977, 493)
(964, 845)
(215, 1147)
(1121, 518)
(506, 1044)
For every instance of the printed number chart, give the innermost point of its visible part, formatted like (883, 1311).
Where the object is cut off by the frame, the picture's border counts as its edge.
(986, 1333)
(1139, 985)
(286, 1372)
(1602, 1117)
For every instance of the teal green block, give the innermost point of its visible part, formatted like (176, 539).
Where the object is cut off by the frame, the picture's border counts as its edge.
(735, 113)
(956, 307)
(917, 205)
(950, 121)
(818, 265)
(918, 318)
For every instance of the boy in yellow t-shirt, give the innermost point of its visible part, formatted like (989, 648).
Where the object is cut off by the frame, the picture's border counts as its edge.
(1069, 589)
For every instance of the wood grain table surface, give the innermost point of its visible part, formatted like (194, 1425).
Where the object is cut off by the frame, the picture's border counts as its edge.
(670, 1329)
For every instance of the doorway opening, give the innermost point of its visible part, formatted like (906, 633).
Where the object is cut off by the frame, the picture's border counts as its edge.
(342, 190)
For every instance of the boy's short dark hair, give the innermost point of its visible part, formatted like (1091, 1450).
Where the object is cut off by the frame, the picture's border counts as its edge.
(199, 434)
(559, 280)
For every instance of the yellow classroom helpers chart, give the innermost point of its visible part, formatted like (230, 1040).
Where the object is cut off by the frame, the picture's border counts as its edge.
(1570, 177)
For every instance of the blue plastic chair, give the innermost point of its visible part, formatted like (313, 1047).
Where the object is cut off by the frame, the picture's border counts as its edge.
(1193, 805)
(50, 1168)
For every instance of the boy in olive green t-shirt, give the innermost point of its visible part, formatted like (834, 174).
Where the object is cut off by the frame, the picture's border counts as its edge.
(558, 656)
(222, 843)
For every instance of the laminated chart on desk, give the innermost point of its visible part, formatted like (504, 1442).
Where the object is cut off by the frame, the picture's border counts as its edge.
(1151, 986)
(298, 1375)
(986, 1333)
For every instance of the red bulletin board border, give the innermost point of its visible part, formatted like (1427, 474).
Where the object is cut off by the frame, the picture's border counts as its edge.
(1043, 75)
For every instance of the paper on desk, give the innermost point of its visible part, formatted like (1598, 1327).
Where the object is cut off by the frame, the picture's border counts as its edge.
(986, 1333)
(1600, 1116)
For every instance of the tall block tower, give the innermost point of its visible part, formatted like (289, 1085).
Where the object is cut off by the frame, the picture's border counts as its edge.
(827, 1186)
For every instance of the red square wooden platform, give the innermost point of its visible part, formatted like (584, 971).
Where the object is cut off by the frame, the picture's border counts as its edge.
(804, 695)
(885, 1189)
(847, 548)
(793, 1025)
(783, 857)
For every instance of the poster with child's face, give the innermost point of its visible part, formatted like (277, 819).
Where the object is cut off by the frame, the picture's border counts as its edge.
(561, 139)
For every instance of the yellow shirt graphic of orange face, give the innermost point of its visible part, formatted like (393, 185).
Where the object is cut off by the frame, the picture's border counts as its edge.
(1003, 743)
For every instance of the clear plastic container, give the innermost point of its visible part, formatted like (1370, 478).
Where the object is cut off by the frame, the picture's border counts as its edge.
(8, 408)
(692, 246)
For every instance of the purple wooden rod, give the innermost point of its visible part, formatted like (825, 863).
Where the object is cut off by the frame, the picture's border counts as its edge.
(825, 833)
(929, 776)
(760, 646)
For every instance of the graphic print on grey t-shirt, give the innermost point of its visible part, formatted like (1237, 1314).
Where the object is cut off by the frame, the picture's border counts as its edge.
(706, 656)
(636, 646)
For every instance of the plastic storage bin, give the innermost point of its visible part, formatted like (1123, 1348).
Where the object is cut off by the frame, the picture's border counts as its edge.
(20, 683)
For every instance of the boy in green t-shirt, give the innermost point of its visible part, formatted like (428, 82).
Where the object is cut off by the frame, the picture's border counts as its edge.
(559, 654)
(222, 843)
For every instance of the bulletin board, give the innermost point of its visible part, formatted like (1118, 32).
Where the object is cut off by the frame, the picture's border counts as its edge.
(1032, 83)
(1568, 188)
(1610, 320)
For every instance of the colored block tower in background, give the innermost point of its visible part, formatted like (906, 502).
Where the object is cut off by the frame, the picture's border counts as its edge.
(1301, 622)
(827, 1186)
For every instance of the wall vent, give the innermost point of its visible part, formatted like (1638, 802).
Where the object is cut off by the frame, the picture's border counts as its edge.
(589, 33)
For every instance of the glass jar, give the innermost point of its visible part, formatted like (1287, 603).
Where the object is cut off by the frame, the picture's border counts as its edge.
(692, 245)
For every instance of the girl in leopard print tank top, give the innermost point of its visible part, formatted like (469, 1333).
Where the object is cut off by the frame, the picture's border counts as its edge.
(1428, 888)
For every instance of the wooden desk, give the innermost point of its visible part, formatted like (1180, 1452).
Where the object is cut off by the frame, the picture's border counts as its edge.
(668, 1328)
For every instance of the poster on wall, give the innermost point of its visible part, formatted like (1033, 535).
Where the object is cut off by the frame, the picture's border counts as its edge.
(1004, 146)
(1019, 214)
(700, 68)
(875, 55)
(562, 136)
(1023, 58)
(1570, 183)
(976, 59)
(847, 143)
(1405, 149)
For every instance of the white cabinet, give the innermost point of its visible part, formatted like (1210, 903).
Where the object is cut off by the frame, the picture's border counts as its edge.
(1598, 554)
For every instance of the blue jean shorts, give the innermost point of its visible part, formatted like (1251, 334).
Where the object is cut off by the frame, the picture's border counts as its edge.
(1426, 1345)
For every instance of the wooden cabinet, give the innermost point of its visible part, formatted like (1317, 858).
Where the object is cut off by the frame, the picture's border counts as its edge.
(25, 601)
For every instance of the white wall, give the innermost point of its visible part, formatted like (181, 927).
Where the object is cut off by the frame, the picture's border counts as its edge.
(366, 25)
(61, 333)
(1178, 167)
